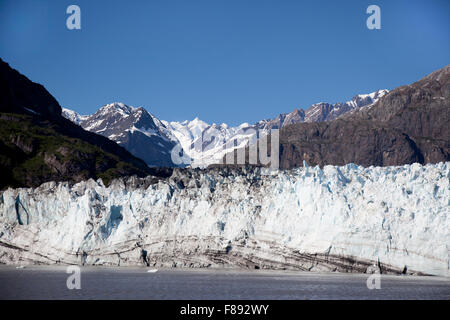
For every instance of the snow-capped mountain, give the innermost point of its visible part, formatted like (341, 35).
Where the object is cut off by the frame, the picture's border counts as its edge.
(133, 128)
(322, 111)
(199, 143)
(207, 144)
(325, 112)
(73, 116)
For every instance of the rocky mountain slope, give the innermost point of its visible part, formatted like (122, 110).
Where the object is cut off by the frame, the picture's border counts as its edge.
(349, 219)
(409, 124)
(37, 144)
(203, 144)
(206, 144)
(132, 128)
(322, 111)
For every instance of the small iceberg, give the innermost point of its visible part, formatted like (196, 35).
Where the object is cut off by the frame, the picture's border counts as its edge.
(152, 270)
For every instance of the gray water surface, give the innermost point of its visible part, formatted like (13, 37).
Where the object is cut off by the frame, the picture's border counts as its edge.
(136, 283)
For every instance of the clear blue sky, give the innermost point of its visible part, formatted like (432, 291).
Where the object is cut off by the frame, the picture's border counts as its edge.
(227, 61)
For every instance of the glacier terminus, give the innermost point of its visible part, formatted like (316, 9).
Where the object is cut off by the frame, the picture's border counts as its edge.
(391, 220)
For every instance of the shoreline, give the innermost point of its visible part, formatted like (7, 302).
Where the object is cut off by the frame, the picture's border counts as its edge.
(211, 271)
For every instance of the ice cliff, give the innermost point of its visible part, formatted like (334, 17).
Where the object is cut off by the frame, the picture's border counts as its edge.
(350, 218)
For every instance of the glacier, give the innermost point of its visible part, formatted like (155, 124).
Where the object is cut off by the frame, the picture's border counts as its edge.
(344, 219)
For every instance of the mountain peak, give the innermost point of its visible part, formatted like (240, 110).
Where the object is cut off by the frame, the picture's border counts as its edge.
(133, 128)
(197, 123)
(116, 107)
(369, 97)
(118, 120)
(73, 116)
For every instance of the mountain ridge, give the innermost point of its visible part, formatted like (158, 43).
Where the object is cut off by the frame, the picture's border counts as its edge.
(132, 128)
(407, 125)
(203, 143)
(37, 144)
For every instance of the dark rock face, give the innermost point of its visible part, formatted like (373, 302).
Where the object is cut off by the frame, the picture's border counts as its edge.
(135, 130)
(410, 124)
(340, 142)
(37, 144)
(18, 93)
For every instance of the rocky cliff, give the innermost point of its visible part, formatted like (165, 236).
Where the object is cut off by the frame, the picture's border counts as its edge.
(409, 124)
(37, 144)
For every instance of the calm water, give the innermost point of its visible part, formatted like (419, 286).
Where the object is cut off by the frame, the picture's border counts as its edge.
(137, 283)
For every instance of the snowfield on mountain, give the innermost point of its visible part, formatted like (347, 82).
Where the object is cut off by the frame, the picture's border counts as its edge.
(349, 219)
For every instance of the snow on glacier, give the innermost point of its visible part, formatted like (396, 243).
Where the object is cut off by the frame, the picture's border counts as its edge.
(398, 216)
